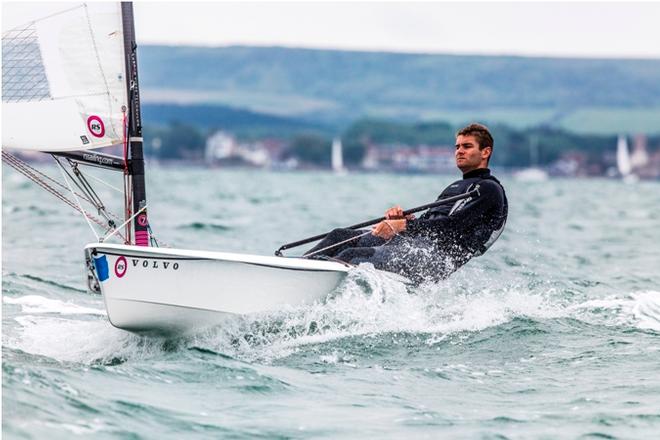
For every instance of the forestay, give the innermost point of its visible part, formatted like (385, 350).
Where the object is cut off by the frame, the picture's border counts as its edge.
(64, 77)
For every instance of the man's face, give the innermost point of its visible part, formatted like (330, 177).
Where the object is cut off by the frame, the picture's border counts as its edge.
(468, 155)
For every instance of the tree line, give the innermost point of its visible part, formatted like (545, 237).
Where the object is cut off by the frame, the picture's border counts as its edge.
(513, 147)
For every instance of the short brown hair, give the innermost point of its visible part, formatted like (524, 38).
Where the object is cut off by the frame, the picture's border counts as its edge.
(481, 134)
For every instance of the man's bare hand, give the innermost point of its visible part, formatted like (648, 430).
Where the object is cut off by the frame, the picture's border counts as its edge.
(396, 213)
(389, 228)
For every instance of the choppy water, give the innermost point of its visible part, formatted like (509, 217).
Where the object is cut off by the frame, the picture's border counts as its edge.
(555, 332)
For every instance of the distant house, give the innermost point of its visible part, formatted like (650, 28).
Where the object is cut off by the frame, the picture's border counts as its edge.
(219, 146)
(406, 158)
(224, 148)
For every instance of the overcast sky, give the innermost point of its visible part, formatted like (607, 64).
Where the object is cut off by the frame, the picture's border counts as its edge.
(591, 29)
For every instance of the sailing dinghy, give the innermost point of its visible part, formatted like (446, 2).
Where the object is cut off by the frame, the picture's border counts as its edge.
(70, 87)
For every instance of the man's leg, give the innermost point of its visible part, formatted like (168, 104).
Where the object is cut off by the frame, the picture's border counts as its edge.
(415, 261)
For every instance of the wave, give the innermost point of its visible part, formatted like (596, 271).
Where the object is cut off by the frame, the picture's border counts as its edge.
(35, 304)
(367, 305)
(638, 310)
(206, 226)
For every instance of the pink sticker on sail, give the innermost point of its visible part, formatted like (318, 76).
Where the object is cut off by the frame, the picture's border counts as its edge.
(120, 267)
(96, 126)
(142, 220)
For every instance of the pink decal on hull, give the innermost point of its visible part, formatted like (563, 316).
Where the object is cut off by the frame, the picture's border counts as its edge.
(141, 238)
(121, 266)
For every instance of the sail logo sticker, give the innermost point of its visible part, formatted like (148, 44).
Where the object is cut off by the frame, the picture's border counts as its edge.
(96, 126)
(120, 267)
(142, 220)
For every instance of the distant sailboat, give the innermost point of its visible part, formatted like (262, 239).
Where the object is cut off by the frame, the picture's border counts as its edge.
(623, 163)
(533, 173)
(337, 157)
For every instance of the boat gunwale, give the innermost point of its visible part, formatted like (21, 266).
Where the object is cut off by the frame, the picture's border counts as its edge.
(290, 263)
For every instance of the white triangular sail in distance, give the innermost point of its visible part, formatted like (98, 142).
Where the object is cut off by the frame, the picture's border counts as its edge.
(623, 156)
(337, 156)
(63, 76)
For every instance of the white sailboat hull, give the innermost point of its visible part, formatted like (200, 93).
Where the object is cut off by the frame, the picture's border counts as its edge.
(173, 291)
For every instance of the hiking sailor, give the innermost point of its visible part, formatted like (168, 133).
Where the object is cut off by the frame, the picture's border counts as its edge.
(444, 238)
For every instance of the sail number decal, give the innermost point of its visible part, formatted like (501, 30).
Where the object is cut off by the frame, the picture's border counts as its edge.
(96, 126)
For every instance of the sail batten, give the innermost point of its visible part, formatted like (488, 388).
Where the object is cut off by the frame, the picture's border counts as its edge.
(64, 79)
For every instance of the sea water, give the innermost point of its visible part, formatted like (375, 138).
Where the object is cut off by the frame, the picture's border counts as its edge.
(553, 333)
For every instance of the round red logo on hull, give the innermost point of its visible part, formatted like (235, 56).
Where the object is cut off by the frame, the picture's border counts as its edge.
(120, 267)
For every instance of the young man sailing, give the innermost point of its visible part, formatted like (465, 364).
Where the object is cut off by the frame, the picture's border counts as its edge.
(444, 238)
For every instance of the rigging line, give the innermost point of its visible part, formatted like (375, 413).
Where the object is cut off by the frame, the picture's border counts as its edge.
(39, 182)
(96, 201)
(101, 181)
(78, 201)
(90, 190)
(43, 176)
(15, 163)
(125, 223)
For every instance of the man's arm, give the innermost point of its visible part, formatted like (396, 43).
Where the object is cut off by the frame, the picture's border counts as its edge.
(389, 228)
(394, 223)
(465, 213)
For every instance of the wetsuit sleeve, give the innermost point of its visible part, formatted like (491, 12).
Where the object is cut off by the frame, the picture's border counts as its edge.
(464, 214)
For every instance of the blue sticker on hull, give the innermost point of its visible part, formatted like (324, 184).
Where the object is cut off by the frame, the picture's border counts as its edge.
(101, 264)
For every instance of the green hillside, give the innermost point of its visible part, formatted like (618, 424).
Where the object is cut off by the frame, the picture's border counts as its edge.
(337, 87)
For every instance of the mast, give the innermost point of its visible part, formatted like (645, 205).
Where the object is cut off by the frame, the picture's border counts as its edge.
(136, 167)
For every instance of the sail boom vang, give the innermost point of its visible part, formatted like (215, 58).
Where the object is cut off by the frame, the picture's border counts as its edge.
(134, 134)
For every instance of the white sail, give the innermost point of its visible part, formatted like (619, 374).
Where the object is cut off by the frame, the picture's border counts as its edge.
(623, 157)
(337, 156)
(63, 76)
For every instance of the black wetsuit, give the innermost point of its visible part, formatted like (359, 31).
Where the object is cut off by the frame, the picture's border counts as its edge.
(443, 239)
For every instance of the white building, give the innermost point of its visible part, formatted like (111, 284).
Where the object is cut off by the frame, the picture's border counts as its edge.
(220, 145)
